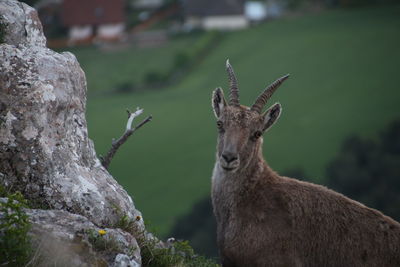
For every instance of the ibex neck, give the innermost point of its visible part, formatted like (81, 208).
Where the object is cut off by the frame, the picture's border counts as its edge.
(257, 169)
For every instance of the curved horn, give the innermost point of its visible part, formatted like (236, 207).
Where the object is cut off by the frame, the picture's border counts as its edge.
(266, 95)
(234, 90)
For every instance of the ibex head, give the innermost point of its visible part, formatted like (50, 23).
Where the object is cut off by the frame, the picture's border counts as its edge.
(240, 127)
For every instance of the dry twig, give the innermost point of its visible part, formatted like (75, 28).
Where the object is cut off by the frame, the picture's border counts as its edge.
(105, 161)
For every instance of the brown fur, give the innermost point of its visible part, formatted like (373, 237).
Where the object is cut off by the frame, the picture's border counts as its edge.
(264, 219)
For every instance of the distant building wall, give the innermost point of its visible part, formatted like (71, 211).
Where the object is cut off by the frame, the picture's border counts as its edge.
(110, 31)
(77, 33)
(93, 19)
(93, 12)
(232, 22)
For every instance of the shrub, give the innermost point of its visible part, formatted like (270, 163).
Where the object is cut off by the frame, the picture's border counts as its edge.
(15, 244)
(125, 87)
(179, 254)
(103, 242)
(181, 60)
(368, 171)
(153, 78)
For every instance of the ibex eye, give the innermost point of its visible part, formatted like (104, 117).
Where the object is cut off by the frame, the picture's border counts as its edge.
(219, 124)
(257, 134)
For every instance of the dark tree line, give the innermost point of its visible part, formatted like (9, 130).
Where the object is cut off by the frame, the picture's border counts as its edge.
(365, 170)
(369, 171)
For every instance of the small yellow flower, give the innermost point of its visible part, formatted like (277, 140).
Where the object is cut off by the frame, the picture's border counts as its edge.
(102, 232)
(138, 218)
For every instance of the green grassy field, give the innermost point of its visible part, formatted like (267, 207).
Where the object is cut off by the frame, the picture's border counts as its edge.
(344, 67)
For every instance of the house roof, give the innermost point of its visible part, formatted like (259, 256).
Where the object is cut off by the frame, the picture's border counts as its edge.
(203, 8)
(92, 12)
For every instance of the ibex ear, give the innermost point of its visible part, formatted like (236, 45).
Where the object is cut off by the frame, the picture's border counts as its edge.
(271, 115)
(218, 102)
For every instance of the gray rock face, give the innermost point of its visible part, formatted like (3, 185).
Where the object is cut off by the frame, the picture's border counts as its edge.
(72, 240)
(24, 27)
(123, 260)
(45, 151)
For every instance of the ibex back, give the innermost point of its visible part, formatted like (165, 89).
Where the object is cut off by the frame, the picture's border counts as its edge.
(264, 219)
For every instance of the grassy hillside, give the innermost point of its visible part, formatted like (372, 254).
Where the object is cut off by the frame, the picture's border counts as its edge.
(344, 79)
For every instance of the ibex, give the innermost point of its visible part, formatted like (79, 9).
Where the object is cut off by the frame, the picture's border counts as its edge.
(264, 219)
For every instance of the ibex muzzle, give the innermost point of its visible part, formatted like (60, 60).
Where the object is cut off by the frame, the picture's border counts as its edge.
(229, 157)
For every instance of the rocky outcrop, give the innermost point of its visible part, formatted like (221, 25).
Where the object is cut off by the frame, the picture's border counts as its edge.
(45, 151)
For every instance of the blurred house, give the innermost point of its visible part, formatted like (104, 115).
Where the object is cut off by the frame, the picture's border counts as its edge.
(147, 4)
(146, 7)
(214, 14)
(100, 19)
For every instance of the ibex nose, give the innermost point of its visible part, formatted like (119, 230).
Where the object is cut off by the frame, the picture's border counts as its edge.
(229, 157)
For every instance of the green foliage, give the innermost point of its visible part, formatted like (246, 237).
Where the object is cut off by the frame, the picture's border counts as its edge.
(368, 171)
(125, 223)
(357, 3)
(125, 87)
(178, 254)
(296, 4)
(15, 244)
(155, 78)
(3, 191)
(181, 59)
(102, 241)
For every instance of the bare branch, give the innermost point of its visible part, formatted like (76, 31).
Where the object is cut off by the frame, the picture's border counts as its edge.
(131, 116)
(105, 161)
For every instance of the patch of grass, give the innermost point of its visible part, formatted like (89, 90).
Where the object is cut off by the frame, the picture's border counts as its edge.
(343, 66)
(15, 244)
(106, 71)
(178, 254)
(103, 242)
